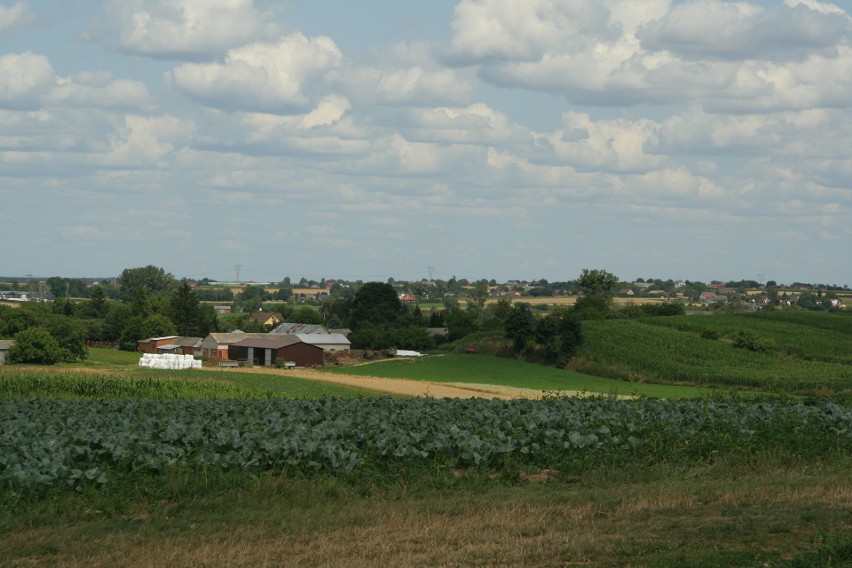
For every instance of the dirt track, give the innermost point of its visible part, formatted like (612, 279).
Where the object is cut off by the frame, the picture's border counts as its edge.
(401, 386)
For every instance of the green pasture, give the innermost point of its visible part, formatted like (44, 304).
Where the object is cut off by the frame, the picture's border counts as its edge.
(490, 370)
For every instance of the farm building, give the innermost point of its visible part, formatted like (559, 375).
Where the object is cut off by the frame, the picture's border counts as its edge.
(267, 318)
(182, 346)
(5, 345)
(330, 342)
(170, 344)
(266, 350)
(286, 328)
(150, 344)
(216, 344)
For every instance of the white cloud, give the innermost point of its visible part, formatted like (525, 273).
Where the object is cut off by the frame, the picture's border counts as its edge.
(186, 28)
(406, 74)
(603, 145)
(148, 141)
(14, 15)
(99, 90)
(727, 30)
(23, 78)
(278, 78)
(27, 81)
(618, 53)
(507, 30)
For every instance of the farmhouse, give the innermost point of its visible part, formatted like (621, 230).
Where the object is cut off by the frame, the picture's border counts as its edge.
(267, 318)
(266, 350)
(5, 345)
(709, 297)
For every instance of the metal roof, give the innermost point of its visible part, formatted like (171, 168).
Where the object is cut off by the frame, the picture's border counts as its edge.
(323, 338)
(268, 342)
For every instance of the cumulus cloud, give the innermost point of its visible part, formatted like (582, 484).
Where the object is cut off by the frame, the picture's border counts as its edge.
(714, 29)
(283, 77)
(27, 81)
(186, 28)
(24, 77)
(14, 15)
(505, 30)
(726, 56)
(98, 89)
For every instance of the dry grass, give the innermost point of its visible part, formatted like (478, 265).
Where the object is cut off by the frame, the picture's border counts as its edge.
(774, 515)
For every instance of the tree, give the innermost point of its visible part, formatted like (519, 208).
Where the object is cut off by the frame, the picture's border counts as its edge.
(596, 282)
(139, 328)
(184, 310)
(152, 278)
(251, 300)
(69, 333)
(97, 303)
(520, 326)
(477, 296)
(376, 303)
(36, 346)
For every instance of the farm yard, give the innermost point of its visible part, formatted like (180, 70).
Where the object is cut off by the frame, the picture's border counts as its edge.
(105, 463)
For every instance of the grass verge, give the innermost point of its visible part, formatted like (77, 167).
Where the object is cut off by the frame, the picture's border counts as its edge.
(774, 515)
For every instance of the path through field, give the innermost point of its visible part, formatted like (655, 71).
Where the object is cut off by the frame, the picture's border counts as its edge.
(401, 386)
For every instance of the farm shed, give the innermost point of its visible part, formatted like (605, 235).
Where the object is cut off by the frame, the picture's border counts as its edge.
(216, 344)
(330, 342)
(150, 344)
(286, 328)
(5, 345)
(182, 345)
(265, 350)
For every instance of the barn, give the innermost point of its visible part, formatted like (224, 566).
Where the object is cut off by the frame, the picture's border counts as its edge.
(264, 351)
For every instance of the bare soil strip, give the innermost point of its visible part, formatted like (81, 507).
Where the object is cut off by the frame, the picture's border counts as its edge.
(398, 386)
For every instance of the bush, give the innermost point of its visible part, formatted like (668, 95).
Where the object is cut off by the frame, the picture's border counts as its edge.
(748, 339)
(37, 346)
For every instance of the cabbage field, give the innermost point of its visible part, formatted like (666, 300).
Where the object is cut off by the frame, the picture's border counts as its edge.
(73, 444)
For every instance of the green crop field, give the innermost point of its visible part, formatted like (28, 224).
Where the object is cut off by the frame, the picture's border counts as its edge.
(109, 464)
(490, 370)
(802, 353)
(153, 384)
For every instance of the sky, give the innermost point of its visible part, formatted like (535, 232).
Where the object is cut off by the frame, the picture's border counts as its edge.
(505, 139)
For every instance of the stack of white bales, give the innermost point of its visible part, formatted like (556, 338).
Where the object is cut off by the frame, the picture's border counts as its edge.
(168, 361)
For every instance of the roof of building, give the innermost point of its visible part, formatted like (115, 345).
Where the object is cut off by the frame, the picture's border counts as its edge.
(323, 338)
(158, 338)
(6, 344)
(268, 342)
(287, 327)
(229, 338)
(261, 317)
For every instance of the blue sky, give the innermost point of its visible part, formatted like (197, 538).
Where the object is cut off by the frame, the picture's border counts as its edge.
(485, 138)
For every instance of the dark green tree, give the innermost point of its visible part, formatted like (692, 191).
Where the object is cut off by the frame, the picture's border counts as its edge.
(97, 303)
(153, 279)
(36, 346)
(185, 310)
(596, 282)
(375, 303)
(520, 326)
